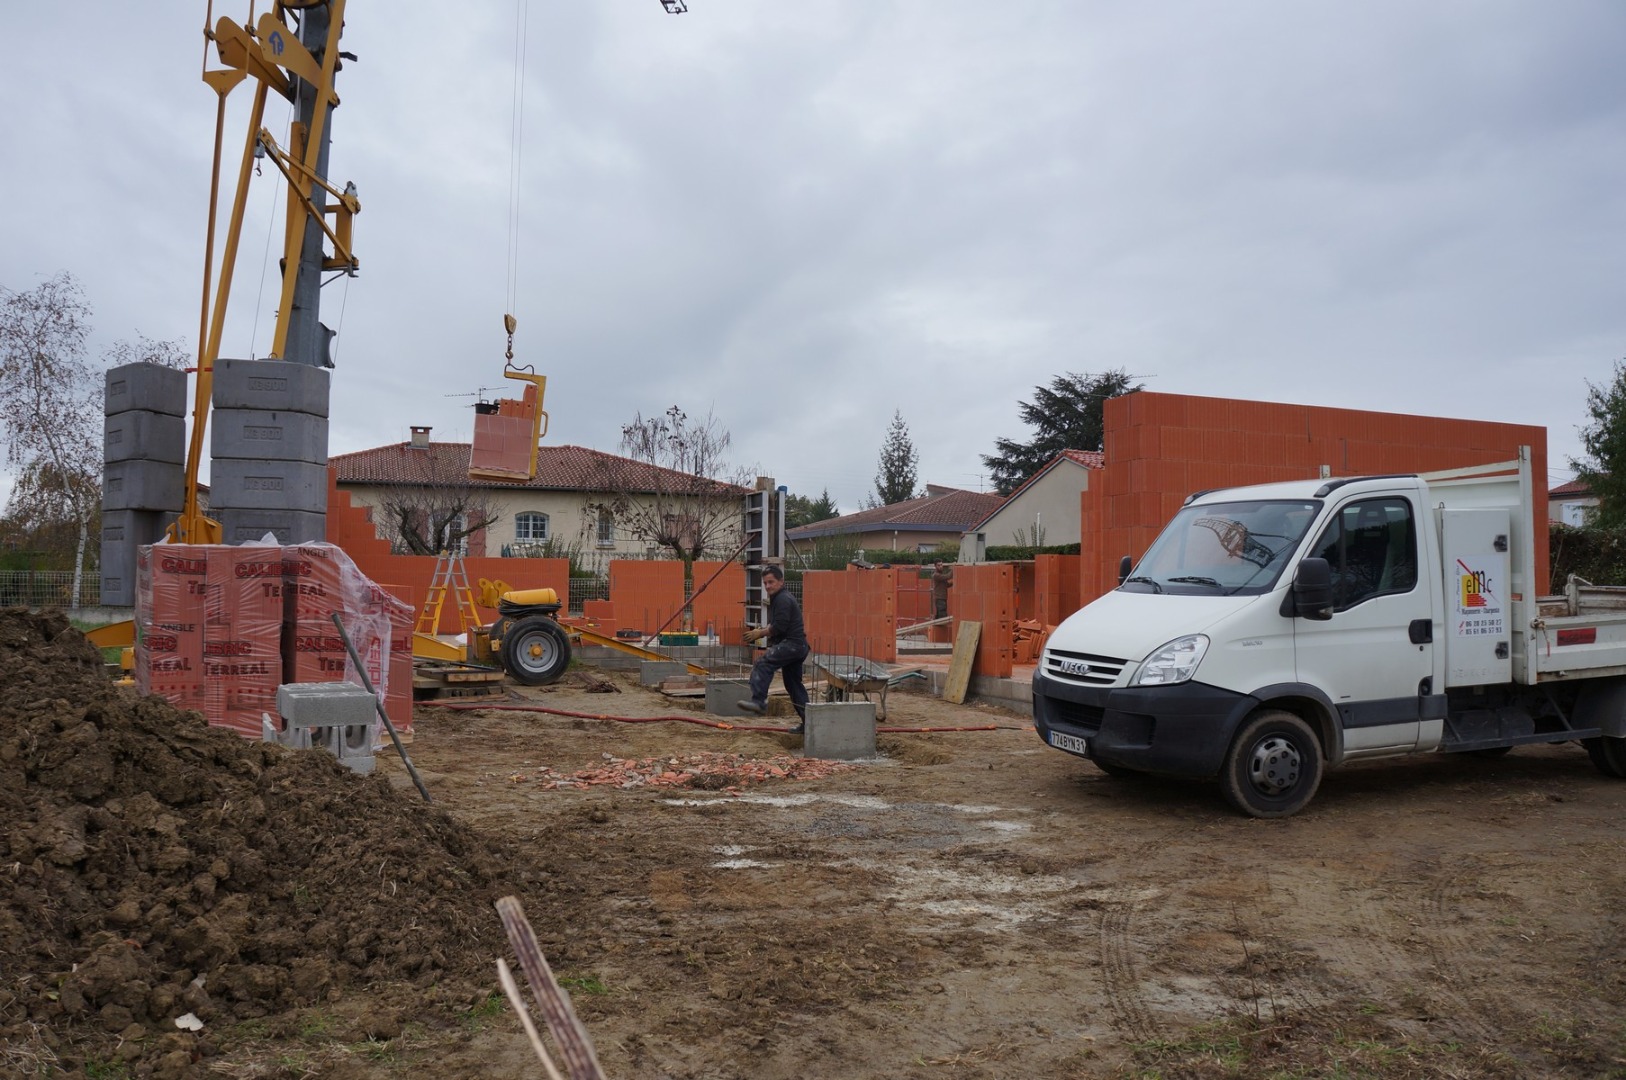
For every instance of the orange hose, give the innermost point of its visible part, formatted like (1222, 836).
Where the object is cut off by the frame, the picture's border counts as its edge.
(720, 724)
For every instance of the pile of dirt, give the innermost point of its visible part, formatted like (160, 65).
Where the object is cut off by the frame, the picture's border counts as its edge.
(151, 866)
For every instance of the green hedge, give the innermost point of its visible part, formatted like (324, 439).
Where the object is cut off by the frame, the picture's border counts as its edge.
(1597, 555)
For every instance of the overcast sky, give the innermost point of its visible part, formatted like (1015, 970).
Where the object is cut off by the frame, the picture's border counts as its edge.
(802, 216)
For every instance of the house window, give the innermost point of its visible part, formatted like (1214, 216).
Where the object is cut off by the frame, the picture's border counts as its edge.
(1576, 513)
(531, 527)
(606, 527)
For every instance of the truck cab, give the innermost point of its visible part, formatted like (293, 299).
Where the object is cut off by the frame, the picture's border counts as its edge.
(1275, 630)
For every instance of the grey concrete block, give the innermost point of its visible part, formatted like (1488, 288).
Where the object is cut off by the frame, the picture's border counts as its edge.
(144, 435)
(143, 485)
(843, 731)
(148, 387)
(723, 697)
(655, 672)
(259, 435)
(288, 526)
(240, 484)
(338, 717)
(122, 532)
(271, 385)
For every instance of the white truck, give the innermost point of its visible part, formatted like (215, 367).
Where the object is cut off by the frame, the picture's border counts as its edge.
(1271, 632)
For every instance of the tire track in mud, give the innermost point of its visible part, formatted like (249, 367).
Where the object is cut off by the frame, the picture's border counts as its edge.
(1477, 1012)
(1131, 1012)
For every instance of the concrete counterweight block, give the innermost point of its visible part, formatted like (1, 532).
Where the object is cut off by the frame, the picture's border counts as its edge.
(239, 484)
(288, 526)
(145, 485)
(337, 717)
(123, 531)
(144, 435)
(723, 697)
(148, 387)
(842, 731)
(261, 435)
(271, 385)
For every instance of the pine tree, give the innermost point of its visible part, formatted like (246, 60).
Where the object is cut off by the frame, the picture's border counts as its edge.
(1066, 415)
(895, 476)
(1604, 467)
(801, 510)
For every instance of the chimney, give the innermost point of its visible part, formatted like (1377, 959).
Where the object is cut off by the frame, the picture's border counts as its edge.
(420, 437)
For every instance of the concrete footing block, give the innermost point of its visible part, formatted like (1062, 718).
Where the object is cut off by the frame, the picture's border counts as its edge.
(723, 697)
(655, 672)
(840, 731)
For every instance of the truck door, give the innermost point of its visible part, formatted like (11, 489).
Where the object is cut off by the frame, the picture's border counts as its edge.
(1374, 653)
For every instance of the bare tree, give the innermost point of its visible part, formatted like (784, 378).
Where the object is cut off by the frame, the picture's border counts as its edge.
(673, 489)
(435, 519)
(51, 410)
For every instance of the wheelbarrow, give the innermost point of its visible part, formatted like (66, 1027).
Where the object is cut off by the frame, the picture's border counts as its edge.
(846, 676)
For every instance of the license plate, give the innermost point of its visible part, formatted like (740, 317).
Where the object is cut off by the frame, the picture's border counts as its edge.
(1070, 743)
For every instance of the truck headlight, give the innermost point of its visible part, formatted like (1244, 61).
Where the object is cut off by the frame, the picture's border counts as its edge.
(1174, 662)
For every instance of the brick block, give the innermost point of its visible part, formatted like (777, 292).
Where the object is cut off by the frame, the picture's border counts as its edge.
(260, 435)
(143, 485)
(144, 435)
(271, 385)
(146, 387)
(239, 484)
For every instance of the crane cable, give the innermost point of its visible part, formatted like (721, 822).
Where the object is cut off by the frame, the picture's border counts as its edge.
(516, 146)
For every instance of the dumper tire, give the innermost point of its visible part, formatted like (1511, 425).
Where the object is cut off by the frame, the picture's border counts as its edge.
(535, 650)
(1608, 754)
(1273, 767)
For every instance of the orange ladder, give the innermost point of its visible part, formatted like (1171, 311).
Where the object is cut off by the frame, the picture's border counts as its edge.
(450, 577)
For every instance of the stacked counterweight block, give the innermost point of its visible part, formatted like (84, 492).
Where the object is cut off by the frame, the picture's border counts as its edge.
(268, 446)
(144, 465)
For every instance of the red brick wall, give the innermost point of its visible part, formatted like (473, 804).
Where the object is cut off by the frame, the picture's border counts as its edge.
(721, 604)
(647, 594)
(1162, 447)
(852, 612)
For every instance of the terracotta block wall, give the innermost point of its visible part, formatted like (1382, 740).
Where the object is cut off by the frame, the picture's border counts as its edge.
(852, 612)
(647, 594)
(986, 592)
(721, 604)
(1162, 447)
(1055, 588)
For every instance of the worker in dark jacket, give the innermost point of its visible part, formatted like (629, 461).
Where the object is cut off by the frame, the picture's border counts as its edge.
(787, 648)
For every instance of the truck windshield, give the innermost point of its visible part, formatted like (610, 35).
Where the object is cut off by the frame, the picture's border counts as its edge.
(1224, 549)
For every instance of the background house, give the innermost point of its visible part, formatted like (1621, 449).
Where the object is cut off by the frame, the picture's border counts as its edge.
(1572, 503)
(937, 518)
(583, 504)
(1043, 512)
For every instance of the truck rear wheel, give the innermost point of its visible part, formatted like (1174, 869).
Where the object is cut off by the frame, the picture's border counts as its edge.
(1273, 767)
(1608, 754)
(535, 650)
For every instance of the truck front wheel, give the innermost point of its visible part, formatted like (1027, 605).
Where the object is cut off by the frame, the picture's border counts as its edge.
(1273, 767)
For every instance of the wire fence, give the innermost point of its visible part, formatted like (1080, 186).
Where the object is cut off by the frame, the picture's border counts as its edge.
(47, 588)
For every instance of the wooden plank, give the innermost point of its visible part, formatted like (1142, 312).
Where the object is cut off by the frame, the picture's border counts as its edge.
(965, 651)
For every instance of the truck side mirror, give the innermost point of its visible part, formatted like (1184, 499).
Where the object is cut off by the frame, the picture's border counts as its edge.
(1312, 590)
(1125, 565)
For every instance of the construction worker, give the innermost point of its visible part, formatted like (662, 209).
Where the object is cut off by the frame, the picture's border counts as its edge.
(942, 578)
(787, 648)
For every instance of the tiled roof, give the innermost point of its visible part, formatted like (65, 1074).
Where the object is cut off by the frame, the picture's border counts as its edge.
(1089, 459)
(558, 468)
(1574, 487)
(941, 509)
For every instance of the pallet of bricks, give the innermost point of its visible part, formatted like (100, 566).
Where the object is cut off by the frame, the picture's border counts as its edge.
(220, 627)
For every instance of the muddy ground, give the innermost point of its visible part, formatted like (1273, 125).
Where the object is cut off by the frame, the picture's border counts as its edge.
(970, 904)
